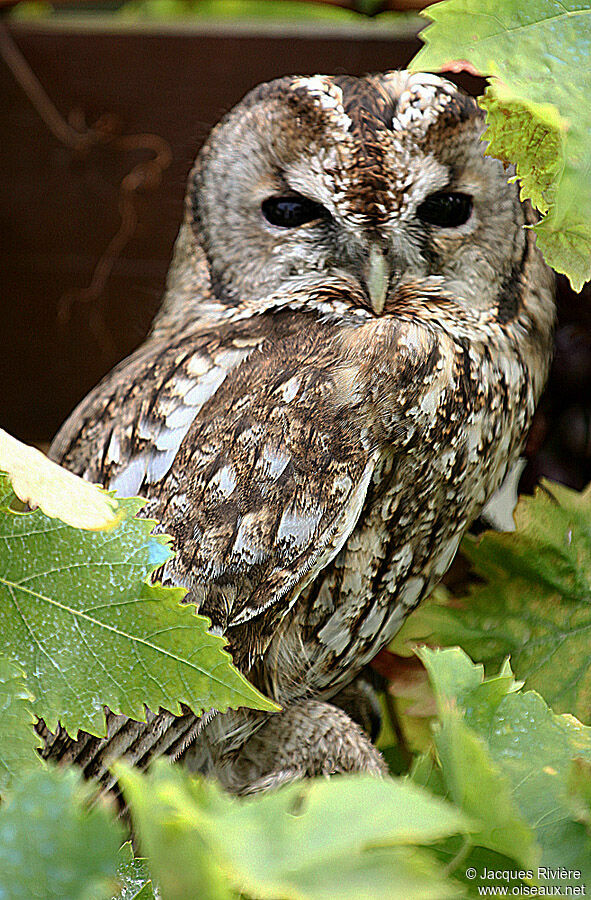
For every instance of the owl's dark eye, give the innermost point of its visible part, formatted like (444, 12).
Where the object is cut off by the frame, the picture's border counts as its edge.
(447, 210)
(289, 212)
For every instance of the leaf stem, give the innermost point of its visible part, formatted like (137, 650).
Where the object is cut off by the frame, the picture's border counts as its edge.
(459, 858)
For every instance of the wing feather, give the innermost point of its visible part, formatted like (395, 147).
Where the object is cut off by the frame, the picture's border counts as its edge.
(245, 456)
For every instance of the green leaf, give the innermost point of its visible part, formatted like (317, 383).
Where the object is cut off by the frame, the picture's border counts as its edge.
(453, 675)
(528, 135)
(132, 876)
(76, 615)
(480, 788)
(52, 846)
(504, 751)
(538, 105)
(167, 822)
(535, 602)
(426, 773)
(475, 783)
(350, 837)
(396, 873)
(536, 749)
(17, 738)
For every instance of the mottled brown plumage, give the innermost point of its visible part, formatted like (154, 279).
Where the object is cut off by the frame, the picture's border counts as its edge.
(321, 410)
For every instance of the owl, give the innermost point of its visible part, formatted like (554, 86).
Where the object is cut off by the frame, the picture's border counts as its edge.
(356, 328)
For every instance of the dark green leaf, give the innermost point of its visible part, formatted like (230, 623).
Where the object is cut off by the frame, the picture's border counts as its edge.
(133, 878)
(17, 738)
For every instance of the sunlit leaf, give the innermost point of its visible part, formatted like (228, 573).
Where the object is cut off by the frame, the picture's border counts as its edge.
(352, 837)
(38, 481)
(538, 104)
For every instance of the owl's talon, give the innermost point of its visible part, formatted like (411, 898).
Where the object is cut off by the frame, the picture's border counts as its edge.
(309, 739)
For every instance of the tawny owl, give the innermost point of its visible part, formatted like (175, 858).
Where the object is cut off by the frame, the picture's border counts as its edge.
(356, 328)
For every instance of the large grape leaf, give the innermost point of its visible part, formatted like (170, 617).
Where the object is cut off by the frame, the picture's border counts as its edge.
(78, 618)
(18, 741)
(353, 837)
(538, 105)
(500, 745)
(534, 604)
(52, 846)
(38, 481)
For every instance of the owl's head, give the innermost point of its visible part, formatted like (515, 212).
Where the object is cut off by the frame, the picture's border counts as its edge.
(380, 180)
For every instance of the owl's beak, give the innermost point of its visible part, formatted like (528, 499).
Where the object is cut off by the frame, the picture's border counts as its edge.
(377, 278)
